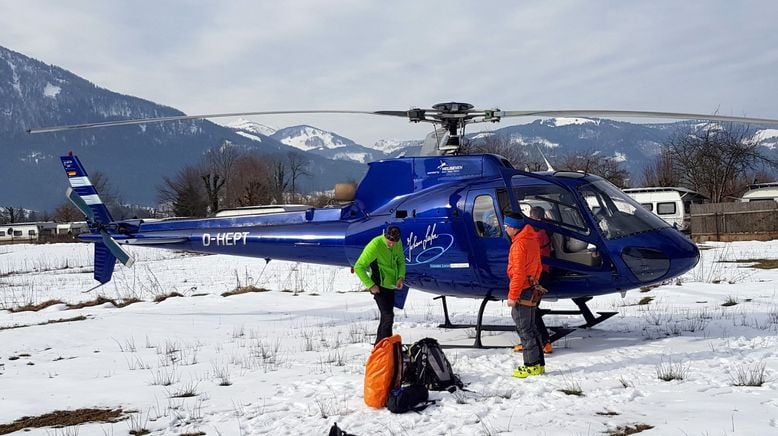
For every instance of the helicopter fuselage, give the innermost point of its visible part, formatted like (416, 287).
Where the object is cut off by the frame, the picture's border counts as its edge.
(441, 205)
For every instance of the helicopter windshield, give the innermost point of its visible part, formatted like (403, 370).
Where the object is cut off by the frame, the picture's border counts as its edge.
(617, 214)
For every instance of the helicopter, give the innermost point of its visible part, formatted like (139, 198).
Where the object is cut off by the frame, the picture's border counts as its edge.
(449, 206)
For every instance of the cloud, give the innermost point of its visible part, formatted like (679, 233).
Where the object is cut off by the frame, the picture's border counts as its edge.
(695, 56)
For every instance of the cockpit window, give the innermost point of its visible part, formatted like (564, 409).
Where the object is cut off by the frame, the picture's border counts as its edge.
(559, 204)
(617, 214)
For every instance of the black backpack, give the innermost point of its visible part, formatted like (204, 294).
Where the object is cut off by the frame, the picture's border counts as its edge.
(336, 431)
(407, 398)
(429, 367)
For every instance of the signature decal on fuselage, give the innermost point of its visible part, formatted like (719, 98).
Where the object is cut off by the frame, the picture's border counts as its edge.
(424, 249)
(225, 239)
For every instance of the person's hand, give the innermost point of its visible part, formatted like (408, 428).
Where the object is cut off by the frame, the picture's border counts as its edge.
(511, 303)
(399, 284)
(375, 289)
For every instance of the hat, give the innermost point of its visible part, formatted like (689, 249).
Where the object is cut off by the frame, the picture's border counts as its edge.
(392, 233)
(513, 222)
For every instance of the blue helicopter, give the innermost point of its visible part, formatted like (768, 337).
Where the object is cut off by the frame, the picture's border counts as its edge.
(450, 208)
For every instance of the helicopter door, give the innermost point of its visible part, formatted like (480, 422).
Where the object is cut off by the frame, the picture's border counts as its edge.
(490, 244)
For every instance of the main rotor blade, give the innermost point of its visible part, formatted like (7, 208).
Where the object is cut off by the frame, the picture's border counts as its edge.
(633, 114)
(200, 117)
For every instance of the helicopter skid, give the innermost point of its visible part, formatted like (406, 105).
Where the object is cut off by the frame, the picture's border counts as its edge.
(558, 332)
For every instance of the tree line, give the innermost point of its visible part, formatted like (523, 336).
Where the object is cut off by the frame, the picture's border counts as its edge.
(716, 160)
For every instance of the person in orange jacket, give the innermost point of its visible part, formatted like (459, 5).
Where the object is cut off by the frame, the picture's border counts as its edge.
(524, 269)
(539, 214)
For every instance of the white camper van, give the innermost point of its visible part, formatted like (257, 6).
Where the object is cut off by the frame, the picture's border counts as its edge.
(761, 192)
(671, 204)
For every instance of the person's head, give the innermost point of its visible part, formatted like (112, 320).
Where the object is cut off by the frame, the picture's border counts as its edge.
(513, 224)
(392, 235)
(537, 213)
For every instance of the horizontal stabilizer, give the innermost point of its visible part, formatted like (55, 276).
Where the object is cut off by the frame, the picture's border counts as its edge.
(80, 204)
(116, 251)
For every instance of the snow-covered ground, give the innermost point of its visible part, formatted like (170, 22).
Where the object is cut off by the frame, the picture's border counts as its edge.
(291, 360)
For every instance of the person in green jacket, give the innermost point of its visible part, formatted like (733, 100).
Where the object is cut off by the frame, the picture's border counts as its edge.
(381, 267)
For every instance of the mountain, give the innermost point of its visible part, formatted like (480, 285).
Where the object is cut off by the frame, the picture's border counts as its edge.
(326, 144)
(135, 159)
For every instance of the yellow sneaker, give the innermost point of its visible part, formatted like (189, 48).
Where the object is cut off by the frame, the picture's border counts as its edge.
(548, 349)
(526, 371)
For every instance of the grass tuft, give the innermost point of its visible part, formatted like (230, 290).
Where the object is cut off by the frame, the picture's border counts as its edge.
(244, 290)
(629, 429)
(63, 418)
(163, 297)
(35, 307)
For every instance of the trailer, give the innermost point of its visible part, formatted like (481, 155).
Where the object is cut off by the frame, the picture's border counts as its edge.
(672, 204)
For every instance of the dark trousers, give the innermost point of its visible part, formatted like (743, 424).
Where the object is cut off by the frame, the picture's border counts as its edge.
(385, 301)
(524, 317)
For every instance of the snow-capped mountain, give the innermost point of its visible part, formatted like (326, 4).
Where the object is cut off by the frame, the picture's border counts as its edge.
(393, 146)
(323, 143)
(136, 159)
(251, 129)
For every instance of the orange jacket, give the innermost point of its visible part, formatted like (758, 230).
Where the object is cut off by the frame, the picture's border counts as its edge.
(523, 261)
(545, 246)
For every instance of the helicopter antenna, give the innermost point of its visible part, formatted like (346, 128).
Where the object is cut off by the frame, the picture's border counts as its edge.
(548, 164)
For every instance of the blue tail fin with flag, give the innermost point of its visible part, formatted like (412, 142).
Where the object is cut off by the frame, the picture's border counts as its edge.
(85, 197)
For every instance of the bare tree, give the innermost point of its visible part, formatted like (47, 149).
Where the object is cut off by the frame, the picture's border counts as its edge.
(712, 157)
(185, 193)
(67, 213)
(592, 162)
(520, 152)
(11, 214)
(661, 171)
(278, 179)
(251, 185)
(217, 170)
(297, 168)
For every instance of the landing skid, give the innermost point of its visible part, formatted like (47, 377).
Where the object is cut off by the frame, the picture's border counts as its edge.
(558, 332)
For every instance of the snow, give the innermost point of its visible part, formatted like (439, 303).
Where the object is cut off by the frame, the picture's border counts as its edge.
(249, 136)
(768, 138)
(356, 157)
(295, 360)
(51, 91)
(310, 138)
(559, 122)
(520, 140)
(251, 127)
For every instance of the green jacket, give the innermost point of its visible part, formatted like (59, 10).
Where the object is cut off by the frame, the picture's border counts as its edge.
(386, 266)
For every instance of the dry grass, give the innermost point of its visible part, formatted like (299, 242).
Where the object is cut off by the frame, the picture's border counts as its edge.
(51, 321)
(244, 290)
(629, 429)
(161, 298)
(757, 263)
(35, 307)
(96, 302)
(102, 300)
(63, 418)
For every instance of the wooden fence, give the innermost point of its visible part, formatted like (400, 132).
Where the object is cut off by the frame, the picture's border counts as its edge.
(735, 221)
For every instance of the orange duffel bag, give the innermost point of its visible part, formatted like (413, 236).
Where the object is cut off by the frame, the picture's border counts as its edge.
(383, 371)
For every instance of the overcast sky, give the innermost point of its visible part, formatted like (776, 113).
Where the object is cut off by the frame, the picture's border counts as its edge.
(231, 56)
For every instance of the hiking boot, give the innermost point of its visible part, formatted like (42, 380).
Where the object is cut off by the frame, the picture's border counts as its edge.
(518, 348)
(526, 371)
